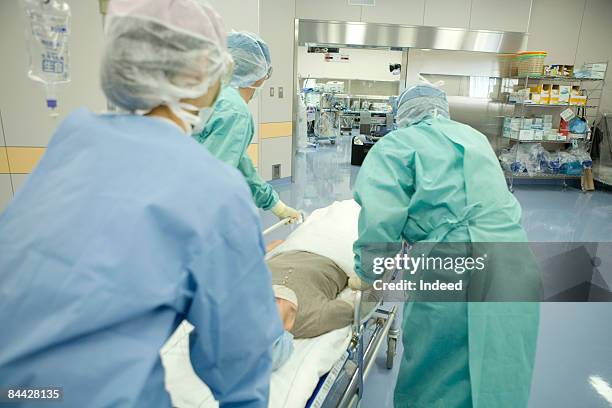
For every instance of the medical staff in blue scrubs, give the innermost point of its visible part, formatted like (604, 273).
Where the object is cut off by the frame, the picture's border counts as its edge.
(126, 227)
(228, 129)
(436, 181)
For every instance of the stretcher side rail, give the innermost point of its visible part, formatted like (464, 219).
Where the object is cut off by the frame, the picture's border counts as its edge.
(282, 223)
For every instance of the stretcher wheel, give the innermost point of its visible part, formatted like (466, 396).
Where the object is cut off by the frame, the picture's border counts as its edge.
(391, 348)
(332, 141)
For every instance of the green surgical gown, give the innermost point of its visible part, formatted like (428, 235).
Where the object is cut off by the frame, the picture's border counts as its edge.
(439, 181)
(227, 135)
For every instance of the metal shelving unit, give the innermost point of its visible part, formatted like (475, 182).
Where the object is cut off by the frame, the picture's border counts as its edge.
(544, 176)
(556, 105)
(540, 141)
(541, 176)
(521, 109)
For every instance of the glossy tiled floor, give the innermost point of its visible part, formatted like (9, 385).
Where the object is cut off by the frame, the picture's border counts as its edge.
(575, 341)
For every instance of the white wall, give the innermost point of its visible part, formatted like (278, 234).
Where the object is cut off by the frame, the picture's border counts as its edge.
(447, 13)
(277, 29)
(500, 15)
(363, 64)
(560, 43)
(595, 43)
(277, 21)
(240, 15)
(338, 10)
(407, 12)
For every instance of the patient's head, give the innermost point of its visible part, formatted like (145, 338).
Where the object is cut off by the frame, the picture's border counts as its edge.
(288, 312)
(287, 304)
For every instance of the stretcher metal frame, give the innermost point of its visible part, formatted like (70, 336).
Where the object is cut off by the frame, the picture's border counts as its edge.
(343, 386)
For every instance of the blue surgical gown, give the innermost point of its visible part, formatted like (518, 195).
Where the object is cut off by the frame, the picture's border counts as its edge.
(115, 239)
(227, 135)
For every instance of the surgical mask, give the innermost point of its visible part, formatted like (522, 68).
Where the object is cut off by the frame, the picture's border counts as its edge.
(205, 114)
(195, 123)
(182, 111)
(257, 91)
(282, 350)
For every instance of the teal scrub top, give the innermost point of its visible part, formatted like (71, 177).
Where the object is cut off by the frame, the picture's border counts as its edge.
(440, 181)
(227, 135)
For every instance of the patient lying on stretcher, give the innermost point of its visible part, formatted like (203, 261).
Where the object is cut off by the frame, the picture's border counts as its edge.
(311, 268)
(306, 287)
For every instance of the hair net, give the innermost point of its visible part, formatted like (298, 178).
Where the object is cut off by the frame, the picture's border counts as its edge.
(420, 102)
(252, 60)
(158, 52)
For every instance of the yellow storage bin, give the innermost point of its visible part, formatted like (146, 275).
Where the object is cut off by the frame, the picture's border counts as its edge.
(531, 63)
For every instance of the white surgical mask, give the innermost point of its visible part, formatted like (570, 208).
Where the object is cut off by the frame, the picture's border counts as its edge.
(193, 123)
(257, 91)
(182, 111)
(205, 114)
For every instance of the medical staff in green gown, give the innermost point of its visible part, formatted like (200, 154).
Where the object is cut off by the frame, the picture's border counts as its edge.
(434, 180)
(227, 129)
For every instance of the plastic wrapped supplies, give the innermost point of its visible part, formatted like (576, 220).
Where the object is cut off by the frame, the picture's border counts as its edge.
(583, 156)
(532, 159)
(522, 158)
(578, 126)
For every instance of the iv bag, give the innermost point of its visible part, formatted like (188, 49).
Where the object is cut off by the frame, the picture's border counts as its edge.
(47, 33)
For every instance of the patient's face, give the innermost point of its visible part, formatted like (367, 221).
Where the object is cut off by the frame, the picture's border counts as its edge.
(288, 312)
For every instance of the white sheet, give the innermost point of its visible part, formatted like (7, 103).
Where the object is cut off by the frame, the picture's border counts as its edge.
(291, 386)
(328, 232)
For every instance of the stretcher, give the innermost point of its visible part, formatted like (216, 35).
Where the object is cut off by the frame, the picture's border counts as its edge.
(341, 365)
(374, 324)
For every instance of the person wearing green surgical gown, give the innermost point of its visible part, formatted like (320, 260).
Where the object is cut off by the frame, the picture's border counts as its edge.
(227, 129)
(434, 180)
(232, 119)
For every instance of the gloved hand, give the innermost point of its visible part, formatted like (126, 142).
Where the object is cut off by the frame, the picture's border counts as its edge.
(356, 283)
(282, 211)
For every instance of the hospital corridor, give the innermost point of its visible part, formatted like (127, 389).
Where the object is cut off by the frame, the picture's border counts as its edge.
(305, 203)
